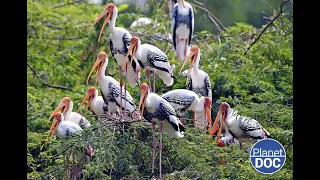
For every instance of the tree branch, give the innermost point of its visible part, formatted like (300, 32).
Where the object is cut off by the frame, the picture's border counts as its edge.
(64, 4)
(44, 82)
(213, 18)
(266, 27)
(151, 37)
(59, 38)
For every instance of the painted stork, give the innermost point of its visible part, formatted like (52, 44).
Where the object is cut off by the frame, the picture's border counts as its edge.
(157, 110)
(66, 106)
(63, 129)
(119, 43)
(110, 88)
(153, 59)
(183, 100)
(241, 127)
(227, 139)
(96, 103)
(198, 80)
(182, 28)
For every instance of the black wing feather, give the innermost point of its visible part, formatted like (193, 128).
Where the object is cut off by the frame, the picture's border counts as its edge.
(190, 83)
(174, 16)
(165, 112)
(190, 25)
(207, 85)
(126, 42)
(111, 47)
(115, 92)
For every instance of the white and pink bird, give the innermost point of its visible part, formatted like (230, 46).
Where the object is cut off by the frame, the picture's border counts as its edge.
(151, 58)
(182, 28)
(198, 80)
(97, 104)
(119, 43)
(183, 100)
(66, 106)
(110, 88)
(64, 129)
(157, 110)
(242, 128)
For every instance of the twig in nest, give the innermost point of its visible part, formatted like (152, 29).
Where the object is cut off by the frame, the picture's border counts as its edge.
(266, 27)
(44, 82)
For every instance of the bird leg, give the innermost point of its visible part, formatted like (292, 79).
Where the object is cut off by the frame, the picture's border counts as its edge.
(185, 49)
(120, 75)
(194, 119)
(154, 81)
(73, 166)
(125, 93)
(154, 145)
(148, 76)
(160, 149)
(177, 52)
(205, 122)
(182, 118)
(67, 165)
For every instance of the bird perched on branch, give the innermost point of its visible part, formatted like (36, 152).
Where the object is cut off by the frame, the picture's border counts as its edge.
(157, 110)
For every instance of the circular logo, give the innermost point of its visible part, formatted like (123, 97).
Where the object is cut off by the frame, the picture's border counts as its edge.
(267, 156)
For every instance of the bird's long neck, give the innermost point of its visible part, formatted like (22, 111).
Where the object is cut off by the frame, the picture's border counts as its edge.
(103, 69)
(180, 4)
(195, 69)
(112, 23)
(200, 106)
(229, 114)
(67, 114)
(139, 49)
(96, 94)
(148, 102)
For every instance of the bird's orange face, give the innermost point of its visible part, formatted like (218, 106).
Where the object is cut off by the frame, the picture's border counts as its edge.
(89, 96)
(222, 113)
(194, 50)
(63, 106)
(102, 58)
(144, 89)
(108, 13)
(58, 116)
(133, 48)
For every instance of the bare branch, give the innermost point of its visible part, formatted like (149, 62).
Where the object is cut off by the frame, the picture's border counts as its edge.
(151, 37)
(265, 1)
(44, 82)
(64, 4)
(211, 16)
(52, 26)
(266, 27)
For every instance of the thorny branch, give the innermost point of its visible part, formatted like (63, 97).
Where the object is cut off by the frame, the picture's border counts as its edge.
(44, 82)
(266, 27)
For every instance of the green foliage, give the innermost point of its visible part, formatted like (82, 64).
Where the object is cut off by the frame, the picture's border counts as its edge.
(62, 51)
